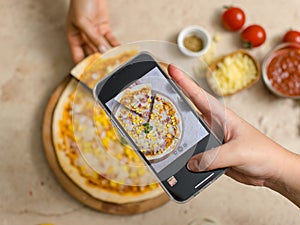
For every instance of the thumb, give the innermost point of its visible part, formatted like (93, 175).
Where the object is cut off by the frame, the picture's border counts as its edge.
(215, 158)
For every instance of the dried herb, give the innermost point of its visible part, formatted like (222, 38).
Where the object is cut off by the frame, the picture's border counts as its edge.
(147, 128)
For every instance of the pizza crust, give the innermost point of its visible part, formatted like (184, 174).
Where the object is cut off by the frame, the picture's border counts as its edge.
(80, 67)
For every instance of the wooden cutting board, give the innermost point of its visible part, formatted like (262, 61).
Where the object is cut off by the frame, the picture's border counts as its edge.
(69, 185)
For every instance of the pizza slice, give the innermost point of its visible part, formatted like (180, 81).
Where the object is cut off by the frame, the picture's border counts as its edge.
(137, 99)
(166, 122)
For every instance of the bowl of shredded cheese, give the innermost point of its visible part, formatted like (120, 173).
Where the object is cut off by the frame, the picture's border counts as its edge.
(193, 41)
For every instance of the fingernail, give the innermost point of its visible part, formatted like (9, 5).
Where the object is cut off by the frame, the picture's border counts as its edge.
(102, 48)
(193, 165)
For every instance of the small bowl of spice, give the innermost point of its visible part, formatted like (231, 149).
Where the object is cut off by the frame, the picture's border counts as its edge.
(193, 41)
(281, 70)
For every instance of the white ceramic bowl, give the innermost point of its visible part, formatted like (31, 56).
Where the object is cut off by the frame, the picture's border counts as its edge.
(198, 31)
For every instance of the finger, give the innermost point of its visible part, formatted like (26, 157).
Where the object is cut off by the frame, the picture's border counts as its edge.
(236, 175)
(87, 42)
(219, 157)
(111, 39)
(245, 179)
(75, 43)
(91, 33)
(190, 88)
(77, 53)
(88, 50)
(203, 101)
(103, 46)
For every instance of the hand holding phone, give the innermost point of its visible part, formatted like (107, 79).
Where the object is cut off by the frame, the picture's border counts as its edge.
(153, 115)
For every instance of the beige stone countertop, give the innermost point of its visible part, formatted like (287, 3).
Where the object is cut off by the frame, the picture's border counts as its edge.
(35, 57)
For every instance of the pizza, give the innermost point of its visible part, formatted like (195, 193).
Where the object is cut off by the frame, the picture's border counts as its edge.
(137, 99)
(89, 149)
(157, 134)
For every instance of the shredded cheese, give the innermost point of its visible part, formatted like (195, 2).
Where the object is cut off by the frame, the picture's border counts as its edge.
(233, 74)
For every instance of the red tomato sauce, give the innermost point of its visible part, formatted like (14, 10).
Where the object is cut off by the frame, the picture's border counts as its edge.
(284, 71)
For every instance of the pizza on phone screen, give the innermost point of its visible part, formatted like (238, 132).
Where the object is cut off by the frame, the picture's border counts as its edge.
(158, 133)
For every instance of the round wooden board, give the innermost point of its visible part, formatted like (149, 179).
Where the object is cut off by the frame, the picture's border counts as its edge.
(70, 186)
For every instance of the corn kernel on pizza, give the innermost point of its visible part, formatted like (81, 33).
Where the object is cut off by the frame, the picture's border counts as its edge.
(90, 151)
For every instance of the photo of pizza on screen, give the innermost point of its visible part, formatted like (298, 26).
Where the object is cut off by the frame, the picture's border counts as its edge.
(150, 119)
(156, 119)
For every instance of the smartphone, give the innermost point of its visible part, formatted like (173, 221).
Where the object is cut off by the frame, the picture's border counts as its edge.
(153, 115)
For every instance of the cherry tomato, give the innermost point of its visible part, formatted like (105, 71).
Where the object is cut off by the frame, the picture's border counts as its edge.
(253, 36)
(233, 18)
(292, 36)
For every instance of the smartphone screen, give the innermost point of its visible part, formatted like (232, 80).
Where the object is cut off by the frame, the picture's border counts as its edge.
(151, 112)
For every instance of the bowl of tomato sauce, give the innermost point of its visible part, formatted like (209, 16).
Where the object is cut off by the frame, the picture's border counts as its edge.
(281, 70)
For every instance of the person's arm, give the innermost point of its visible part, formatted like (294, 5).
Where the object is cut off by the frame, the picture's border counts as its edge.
(288, 183)
(250, 156)
(88, 29)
